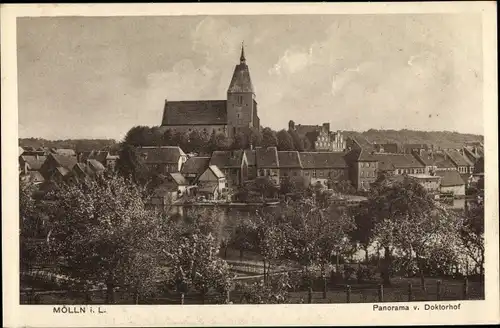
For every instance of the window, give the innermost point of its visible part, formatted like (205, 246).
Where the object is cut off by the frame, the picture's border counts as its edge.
(362, 174)
(314, 173)
(320, 174)
(295, 173)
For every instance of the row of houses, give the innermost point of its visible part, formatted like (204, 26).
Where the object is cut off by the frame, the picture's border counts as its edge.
(444, 171)
(41, 165)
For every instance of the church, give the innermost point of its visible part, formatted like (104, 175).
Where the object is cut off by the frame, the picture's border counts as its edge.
(238, 112)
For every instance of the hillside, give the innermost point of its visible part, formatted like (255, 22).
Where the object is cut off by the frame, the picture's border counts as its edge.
(76, 144)
(437, 138)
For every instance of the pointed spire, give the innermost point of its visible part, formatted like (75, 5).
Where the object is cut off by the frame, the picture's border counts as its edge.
(242, 57)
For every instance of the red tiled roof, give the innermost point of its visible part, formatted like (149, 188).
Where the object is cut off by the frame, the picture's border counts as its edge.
(202, 112)
(267, 157)
(457, 158)
(250, 155)
(450, 178)
(195, 165)
(34, 162)
(157, 155)
(388, 161)
(65, 161)
(227, 158)
(317, 160)
(289, 159)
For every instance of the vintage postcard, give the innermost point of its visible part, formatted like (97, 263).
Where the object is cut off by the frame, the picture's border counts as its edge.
(249, 164)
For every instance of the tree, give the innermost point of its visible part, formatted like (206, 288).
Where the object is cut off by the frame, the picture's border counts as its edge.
(274, 291)
(285, 141)
(138, 136)
(167, 139)
(343, 187)
(105, 236)
(241, 141)
(472, 234)
(130, 166)
(219, 141)
(365, 225)
(180, 139)
(314, 235)
(269, 138)
(255, 137)
(298, 142)
(265, 186)
(407, 219)
(197, 266)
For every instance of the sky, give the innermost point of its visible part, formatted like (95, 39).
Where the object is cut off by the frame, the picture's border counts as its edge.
(96, 77)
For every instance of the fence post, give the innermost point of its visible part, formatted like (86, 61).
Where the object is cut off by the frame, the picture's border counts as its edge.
(381, 293)
(309, 295)
(348, 294)
(228, 296)
(182, 298)
(438, 290)
(324, 287)
(410, 296)
(466, 287)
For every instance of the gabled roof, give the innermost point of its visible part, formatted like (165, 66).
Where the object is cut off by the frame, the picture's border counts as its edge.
(438, 159)
(21, 150)
(319, 160)
(457, 158)
(160, 155)
(359, 155)
(95, 165)
(450, 178)
(289, 159)
(250, 155)
(389, 161)
(362, 142)
(200, 112)
(267, 157)
(195, 165)
(179, 179)
(227, 158)
(100, 155)
(62, 170)
(216, 171)
(63, 151)
(65, 161)
(36, 176)
(34, 162)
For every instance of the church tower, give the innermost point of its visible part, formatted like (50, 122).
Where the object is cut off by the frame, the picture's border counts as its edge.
(241, 104)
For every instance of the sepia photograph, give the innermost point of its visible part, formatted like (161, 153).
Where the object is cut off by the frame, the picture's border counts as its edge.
(246, 159)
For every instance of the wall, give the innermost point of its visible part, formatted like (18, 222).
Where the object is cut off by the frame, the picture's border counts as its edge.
(457, 190)
(188, 128)
(239, 111)
(367, 174)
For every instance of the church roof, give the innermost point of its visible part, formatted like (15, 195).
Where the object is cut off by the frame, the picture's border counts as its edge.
(241, 81)
(198, 112)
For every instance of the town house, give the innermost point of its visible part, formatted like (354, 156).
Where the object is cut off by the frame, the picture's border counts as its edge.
(324, 166)
(268, 163)
(57, 167)
(194, 167)
(289, 164)
(233, 164)
(397, 164)
(212, 183)
(164, 159)
(252, 163)
(363, 168)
